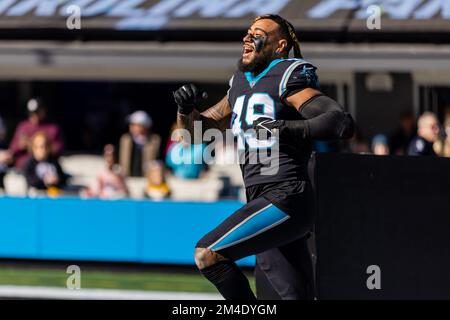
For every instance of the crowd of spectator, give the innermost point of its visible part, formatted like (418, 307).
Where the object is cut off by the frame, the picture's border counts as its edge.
(430, 138)
(37, 144)
(424, 137)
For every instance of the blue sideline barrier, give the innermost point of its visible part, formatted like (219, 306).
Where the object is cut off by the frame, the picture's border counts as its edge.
(117, 231)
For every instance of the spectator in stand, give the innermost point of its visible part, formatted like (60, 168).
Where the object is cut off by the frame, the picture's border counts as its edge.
(427, 135)
(139, 146)
(110, 184)
(36, 122)
(401, 138)
(157, 188)
(5, 155)
(185, 160)
(380, 145)
(42, 169)
(442, 147)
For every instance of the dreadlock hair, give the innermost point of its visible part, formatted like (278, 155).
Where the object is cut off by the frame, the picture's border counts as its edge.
(287, 31)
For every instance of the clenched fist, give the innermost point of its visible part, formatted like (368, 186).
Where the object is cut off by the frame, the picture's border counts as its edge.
(186, 98)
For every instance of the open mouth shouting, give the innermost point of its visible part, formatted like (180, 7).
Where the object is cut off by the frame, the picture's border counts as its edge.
(248, 50)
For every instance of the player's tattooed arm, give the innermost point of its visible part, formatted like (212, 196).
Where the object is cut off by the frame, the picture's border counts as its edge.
(215, 117)
(218, 116)
(187, 99)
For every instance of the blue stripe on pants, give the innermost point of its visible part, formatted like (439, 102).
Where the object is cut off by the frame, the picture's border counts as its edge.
(257, 223)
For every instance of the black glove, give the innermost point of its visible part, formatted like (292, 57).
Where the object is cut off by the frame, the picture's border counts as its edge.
(291, 129)
(324, 118)
(186, 98)
(264, 127)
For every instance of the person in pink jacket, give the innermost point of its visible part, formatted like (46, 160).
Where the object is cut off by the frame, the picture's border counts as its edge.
(36, 122)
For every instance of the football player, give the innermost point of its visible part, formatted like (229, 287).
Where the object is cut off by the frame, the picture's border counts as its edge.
(269, 92)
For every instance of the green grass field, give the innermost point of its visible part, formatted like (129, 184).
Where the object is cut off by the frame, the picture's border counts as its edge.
(138, 280)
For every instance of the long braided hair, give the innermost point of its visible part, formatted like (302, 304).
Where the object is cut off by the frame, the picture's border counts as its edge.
(288, 29)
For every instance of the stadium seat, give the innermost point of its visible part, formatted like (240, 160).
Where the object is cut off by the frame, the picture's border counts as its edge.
(15, 184)
(203, 189)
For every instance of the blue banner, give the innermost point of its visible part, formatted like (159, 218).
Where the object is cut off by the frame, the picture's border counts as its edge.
(94, 230)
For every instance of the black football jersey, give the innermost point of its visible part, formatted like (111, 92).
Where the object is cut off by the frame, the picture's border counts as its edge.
(270, 160)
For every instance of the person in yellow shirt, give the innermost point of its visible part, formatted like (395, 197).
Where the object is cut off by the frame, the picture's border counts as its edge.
(157, 187)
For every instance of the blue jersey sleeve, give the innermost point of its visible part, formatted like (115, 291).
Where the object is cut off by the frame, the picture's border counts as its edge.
(302, 77)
